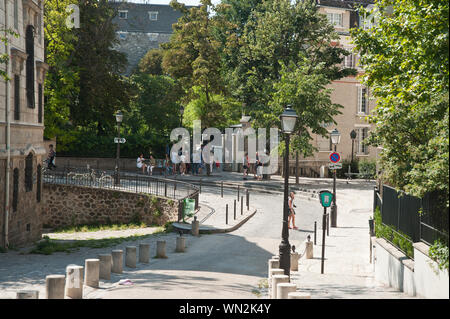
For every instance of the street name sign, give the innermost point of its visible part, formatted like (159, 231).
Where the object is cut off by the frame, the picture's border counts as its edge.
(119, 140)
(335, 166)
(335, 157)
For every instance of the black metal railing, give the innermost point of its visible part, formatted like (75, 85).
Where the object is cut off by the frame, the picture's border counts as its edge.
(128, 182)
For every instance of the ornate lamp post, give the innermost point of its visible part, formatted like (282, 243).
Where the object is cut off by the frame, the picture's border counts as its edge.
(353, 137)
(119, 118)
(335, 139)
(288, 120)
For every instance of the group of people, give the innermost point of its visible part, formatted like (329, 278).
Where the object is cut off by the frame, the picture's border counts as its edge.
(256, 168)
(147, 165)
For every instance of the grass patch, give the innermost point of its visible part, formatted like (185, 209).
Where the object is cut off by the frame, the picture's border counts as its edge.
(98, 227)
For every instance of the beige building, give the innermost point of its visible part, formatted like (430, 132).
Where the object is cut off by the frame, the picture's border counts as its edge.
(22, 148)
(348, 92)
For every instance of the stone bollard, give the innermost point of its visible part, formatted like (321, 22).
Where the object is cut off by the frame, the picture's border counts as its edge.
(92, 272)
(294, 261)
(27, 294)
(284, 289)
(195, 227)
(117, 261)
(161, 249)
(298, 295)
(54, 286)
(105, 266)
(74, 281)
(272, 272)
(180, 245)
(144, 253)
(278, 279)
(309, 250)
(130, 256)
(276, 257)
(273, 264)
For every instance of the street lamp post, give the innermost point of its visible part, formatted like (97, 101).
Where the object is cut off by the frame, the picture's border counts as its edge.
(119, 118)
(353, 137)
(288, 120)
(335, 139)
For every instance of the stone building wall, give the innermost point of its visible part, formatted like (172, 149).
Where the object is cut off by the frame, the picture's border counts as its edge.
(136, 44)
(75, 205)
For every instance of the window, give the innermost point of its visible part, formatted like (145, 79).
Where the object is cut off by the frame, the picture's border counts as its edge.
(40, 103)
(29, 173)
(16, 97)
(362, 134)
(122, 35)
(15, 189)
(153, 16)
(335, 19)
(123, 14)
(349, 61)
(39, 177)
(16, 14)
(363, 106)
(324, 143)
(29, 47)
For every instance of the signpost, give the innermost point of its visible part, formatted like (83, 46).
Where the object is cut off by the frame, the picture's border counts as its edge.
(335, 166)
(326, 198)
(335, 157)
(119, 140)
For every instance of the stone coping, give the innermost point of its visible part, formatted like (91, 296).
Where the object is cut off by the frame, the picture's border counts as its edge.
(398, 254)
(422, 247)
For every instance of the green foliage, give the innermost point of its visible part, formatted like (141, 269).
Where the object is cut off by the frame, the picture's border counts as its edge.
(151, 63)
(98, 227)
(4, 58)
(367, 169)
(340, 173)
(405, 57)
(401, 241)
(439, 252)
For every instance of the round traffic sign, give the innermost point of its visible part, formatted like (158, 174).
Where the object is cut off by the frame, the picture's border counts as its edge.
(335, 157)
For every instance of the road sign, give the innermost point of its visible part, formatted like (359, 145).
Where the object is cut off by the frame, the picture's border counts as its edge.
(326, 198)
(119, 140)
(335, 166)
(335, 157)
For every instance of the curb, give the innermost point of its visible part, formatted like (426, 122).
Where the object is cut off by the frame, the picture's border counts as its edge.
(217, 230)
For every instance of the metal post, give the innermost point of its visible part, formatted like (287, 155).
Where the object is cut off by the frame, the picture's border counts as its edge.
(165, 188)
(333, 205)
(200, 185)
(323, 238)
(221, 189)
(242, 205)
(234, 209)
(117, 180)
(328, 224)
(248, 200)
(285, 247)
(315, 233)
(226, 214)
(297, 180)
(238, 192)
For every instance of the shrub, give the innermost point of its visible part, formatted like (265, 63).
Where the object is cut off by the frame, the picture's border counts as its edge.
(439, 252)
(368, 169)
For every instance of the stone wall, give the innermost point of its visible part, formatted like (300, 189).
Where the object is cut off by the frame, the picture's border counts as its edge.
(75, 205)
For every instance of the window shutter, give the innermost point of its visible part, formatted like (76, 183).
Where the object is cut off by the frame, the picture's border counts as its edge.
(358, 103)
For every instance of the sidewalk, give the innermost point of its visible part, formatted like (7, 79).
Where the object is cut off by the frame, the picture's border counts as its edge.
(348, 272)
(212, 214)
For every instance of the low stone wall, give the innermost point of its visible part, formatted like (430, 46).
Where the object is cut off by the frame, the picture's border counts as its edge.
(68, 205)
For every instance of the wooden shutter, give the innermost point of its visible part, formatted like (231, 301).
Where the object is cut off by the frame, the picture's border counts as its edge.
(16, 97)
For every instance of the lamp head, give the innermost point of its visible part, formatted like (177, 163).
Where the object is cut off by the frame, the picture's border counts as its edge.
(288, 120)
(119, 116)
(335, 137)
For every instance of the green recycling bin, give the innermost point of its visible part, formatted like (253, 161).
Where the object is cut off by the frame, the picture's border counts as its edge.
(188, 208)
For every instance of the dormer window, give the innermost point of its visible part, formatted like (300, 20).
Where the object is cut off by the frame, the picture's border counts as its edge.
(335, 19)
(153, 15)
(123, 14)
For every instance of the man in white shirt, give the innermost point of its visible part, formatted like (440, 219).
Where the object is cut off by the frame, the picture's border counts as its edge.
(140, 163)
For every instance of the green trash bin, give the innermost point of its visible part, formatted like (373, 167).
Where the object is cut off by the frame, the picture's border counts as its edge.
(188, 208)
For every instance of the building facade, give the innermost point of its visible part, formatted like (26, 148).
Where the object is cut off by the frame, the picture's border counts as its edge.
(141, 27)
(348, 92)
(22, 148)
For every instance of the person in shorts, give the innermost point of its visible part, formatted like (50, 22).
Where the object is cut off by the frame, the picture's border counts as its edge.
(291, 211)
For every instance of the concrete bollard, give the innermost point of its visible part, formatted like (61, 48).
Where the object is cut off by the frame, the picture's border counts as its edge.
(284, 289)
(92, 272)
(130, 256)
(105, 266)
(273, 264)
(294, 261)
(195, 227)
(117, 261)
(144, 253)
(161, 249)
(276, 257)
(180, 244)
(74, 281)
(54, 286)
(298, 295)
(309, 250)
(278, 279)
(272, 272)
(27, 294)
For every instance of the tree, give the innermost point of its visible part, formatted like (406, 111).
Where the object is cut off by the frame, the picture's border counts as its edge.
(151, 63)
(405, 57)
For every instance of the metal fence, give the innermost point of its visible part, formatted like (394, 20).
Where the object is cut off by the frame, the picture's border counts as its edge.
(420, 219)
(127, 182)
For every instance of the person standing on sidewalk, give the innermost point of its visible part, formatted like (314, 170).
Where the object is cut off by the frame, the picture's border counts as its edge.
(291, 211)
(245, 166)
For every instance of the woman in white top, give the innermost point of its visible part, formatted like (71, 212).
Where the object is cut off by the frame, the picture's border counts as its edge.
(140, 163)
(291, 211)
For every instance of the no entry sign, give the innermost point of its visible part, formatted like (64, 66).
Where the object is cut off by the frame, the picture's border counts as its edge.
(335, 157)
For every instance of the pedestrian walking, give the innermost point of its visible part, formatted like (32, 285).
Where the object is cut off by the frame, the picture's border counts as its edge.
(291, 211)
